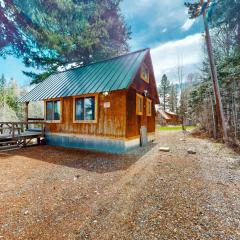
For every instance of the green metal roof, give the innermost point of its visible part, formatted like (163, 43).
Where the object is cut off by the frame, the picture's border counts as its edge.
(108, 75)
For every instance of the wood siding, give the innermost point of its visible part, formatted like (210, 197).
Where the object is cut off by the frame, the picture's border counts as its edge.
(111, 121)
(134, 121)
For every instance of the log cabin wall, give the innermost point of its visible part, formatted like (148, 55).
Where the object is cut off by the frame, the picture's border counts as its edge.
(134, 122)
(111, 121)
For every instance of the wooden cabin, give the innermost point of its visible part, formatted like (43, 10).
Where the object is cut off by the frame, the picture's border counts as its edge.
(164, 118)
(102, 106)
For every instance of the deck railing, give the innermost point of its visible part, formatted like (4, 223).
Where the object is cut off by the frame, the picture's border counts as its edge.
(11, 128)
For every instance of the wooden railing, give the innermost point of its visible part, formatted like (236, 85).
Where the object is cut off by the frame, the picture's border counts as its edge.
(35, 119)
(10, 128)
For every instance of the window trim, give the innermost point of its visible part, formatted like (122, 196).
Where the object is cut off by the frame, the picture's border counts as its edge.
(148, 100)
(95, 110)
(45, 110)
(139, 96)
(142, 77)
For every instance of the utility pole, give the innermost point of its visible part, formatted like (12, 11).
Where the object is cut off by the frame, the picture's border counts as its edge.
(219, 106)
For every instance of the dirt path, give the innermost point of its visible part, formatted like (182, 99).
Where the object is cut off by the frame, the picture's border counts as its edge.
(55, 193)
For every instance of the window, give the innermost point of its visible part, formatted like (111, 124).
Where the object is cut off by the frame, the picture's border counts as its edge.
(149, 107)
(53, 110)
(85, 109)
(139, 104)
(145, 73)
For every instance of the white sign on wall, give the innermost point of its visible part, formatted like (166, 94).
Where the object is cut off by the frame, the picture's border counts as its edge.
(106, 105)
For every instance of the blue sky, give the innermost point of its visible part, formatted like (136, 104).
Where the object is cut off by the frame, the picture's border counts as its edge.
(162, 25)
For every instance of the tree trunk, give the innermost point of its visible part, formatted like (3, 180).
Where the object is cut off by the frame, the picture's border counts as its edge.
(213, 69)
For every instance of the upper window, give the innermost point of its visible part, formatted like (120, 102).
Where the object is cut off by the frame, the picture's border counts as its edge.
(149, 107)
(139, 104)
(53, 110)
(145, 73)
(85, 109)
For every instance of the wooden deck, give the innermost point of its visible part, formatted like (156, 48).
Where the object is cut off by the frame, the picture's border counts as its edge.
(16, 134)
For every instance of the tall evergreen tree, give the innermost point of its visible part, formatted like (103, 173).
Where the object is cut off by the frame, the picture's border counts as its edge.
(226, 13)
(2, 88)
(173, 98)
(164, 90)
(52, 33)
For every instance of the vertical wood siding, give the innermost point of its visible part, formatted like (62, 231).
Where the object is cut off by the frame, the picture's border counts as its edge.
(111, 121)
(134, 122)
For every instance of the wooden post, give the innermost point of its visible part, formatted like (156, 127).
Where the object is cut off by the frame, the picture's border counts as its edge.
(43, 130)
(13, 129)
(26, 114)
(22, 128)
(214, 77)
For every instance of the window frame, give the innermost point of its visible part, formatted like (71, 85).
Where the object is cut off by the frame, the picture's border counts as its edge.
(148, 100)
(45, 110)
(139, 96)
(141, 75)
(95, 108)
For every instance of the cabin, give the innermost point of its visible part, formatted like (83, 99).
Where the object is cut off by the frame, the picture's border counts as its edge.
(164, 118)
(104, 106)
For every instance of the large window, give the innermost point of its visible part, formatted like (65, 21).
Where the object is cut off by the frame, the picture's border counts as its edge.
(53, 110)
(85, 109)
(145, 73)
(149, 107)
(139, 104)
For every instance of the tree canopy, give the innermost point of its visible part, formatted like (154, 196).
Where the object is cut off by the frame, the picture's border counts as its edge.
(50, 33)
(224, 21)
(226, 13)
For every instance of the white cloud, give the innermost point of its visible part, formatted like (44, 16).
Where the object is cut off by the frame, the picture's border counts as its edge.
(2, 4)
(188, 24)
(166, 56)
(154, 20)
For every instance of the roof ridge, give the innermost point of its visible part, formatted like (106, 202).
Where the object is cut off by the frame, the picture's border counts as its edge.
(104, 60)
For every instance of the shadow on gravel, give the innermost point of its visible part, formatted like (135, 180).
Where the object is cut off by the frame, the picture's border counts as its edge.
(87, 160)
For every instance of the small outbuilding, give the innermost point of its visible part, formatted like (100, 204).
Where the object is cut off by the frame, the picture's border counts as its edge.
(167, 118)
(102, 106)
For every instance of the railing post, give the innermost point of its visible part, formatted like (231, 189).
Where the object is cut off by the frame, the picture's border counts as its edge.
(26, 114)
(22, 129)
(12, 130)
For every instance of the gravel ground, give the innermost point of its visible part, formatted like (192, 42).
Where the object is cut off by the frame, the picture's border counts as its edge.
(56, 193)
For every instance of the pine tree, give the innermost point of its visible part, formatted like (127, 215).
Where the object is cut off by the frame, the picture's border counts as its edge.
(173, 98)
(226, 13)
(164, 90)
(52, 33)
(2, 89)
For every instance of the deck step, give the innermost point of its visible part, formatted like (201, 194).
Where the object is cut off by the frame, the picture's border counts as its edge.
(4, 143)
(9, 147)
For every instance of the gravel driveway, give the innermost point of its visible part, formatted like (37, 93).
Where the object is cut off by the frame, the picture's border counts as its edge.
(56, 193)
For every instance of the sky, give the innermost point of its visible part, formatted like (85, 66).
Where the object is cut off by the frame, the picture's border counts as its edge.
(161, 25)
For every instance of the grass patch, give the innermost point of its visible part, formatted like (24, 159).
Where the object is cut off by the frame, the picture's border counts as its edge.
(174, 128)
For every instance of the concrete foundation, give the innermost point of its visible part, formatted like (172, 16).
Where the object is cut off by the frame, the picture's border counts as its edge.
(95, 143)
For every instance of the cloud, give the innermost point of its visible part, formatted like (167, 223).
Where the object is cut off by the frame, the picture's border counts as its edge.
(166, 56)
(150, 19)
(2, 4)
(188, 24)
